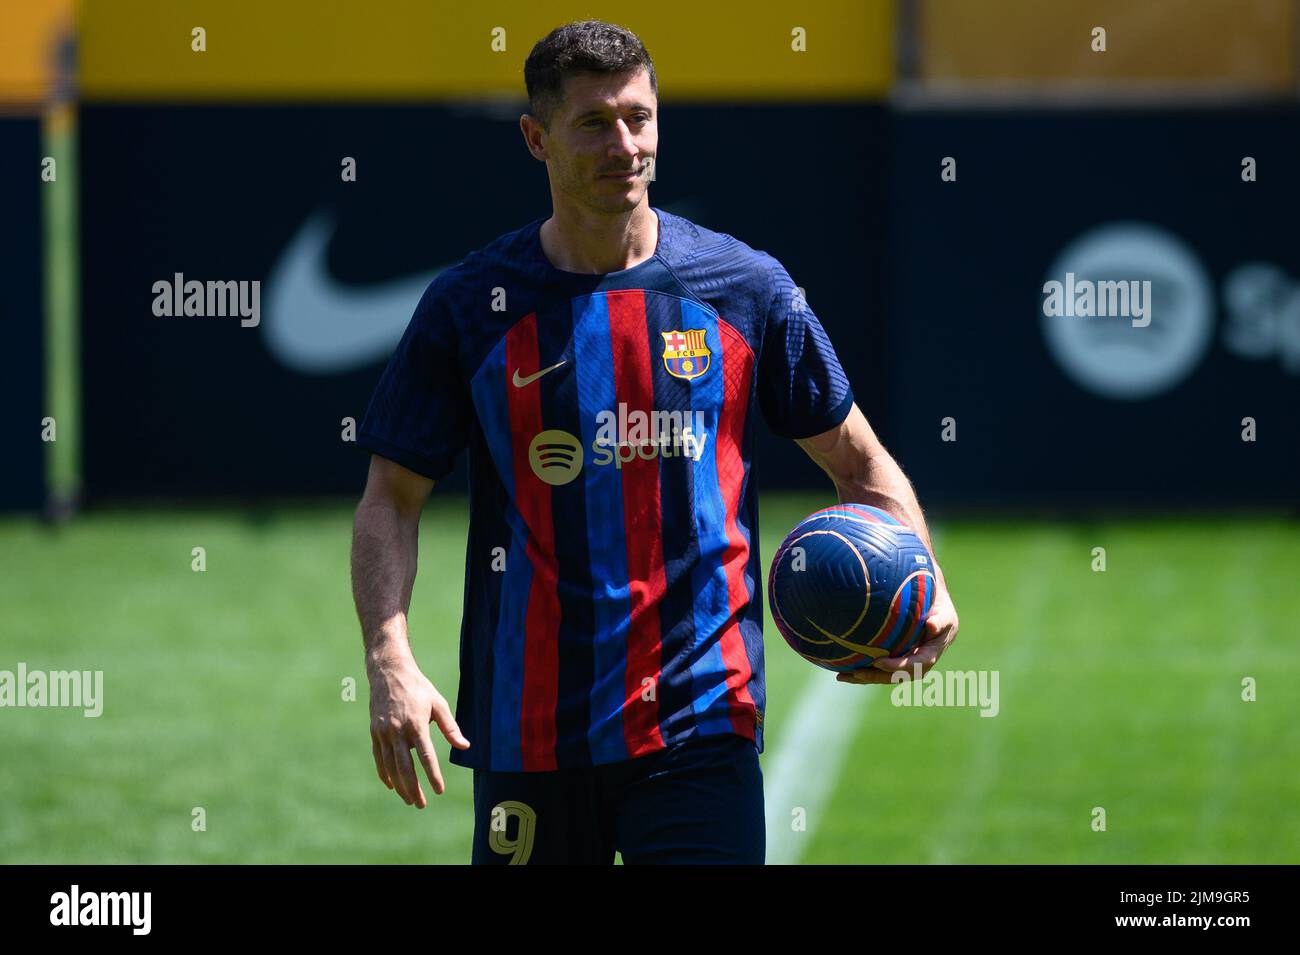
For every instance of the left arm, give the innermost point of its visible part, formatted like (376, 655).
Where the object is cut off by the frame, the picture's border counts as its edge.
(863, 472)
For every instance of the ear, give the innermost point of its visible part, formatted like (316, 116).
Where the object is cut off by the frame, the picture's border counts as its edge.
(534, 136)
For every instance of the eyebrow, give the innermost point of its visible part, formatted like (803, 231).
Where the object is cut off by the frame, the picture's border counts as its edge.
(635, 107)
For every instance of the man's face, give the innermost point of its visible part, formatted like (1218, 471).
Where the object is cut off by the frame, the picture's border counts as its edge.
(602, 140)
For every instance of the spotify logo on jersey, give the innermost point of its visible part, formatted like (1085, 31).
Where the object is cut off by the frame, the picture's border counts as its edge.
(555, 456)
(621, 438)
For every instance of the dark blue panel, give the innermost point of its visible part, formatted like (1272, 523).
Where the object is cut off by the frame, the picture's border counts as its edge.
(199, 406)
(1110, 415)
(22, 481)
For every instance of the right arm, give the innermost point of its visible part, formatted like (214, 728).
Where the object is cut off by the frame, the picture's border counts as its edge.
(403, 702)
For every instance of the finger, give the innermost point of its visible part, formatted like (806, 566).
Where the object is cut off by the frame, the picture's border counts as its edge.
(910, 666)
(905, 662)
(390, 763)
(442, 715)
(379, 760)
(864, 676)
(429, 760)
(918, 662)
(927, 654)
(949, 633)
(942, 636)
(406, 769)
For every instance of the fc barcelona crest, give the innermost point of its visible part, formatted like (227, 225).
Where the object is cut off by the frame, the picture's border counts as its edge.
(685, 353)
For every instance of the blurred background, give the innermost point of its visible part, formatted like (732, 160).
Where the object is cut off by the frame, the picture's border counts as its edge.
(921, 167)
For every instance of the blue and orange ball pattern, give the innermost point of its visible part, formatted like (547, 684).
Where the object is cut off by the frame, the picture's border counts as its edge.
(849, 584)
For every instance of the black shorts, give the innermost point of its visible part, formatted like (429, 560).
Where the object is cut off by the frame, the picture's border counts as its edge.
(697, 801)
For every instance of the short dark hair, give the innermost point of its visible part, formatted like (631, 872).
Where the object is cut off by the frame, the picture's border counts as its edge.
(584, 46)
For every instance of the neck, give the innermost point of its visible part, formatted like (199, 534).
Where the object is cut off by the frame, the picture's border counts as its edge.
(576, 240)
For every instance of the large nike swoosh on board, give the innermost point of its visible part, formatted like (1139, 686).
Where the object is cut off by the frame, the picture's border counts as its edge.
(318, 326)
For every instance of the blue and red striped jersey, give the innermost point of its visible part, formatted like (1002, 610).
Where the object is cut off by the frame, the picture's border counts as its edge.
(613, 596)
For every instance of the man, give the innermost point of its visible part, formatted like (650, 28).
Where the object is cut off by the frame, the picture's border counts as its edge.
(603, 367)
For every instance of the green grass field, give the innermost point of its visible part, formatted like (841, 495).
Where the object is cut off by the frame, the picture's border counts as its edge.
(223, 690)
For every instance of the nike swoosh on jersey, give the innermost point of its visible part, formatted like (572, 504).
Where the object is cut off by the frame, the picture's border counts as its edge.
(318, 326)
(521, 382)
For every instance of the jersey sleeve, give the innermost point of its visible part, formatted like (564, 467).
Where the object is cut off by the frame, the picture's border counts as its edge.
(802, 389)
(420, 412)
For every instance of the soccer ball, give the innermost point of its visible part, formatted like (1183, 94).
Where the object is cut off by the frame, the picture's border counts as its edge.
(849, 584)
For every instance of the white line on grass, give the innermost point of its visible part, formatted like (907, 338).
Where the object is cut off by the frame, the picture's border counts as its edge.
(806, 765)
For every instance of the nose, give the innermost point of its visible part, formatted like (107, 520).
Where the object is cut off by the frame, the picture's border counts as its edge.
(625, 146)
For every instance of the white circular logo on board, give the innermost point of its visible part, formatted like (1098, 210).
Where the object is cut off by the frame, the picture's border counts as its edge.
(1110, 355)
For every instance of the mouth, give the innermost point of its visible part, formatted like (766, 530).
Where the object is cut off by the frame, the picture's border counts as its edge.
(627, 174)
